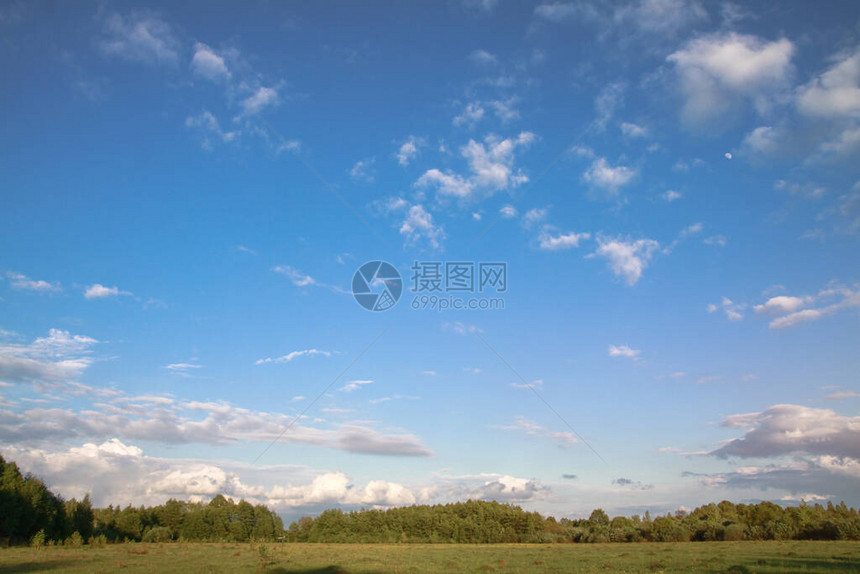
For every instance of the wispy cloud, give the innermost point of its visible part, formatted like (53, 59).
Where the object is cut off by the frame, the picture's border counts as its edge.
(294, 355)
(21, 282)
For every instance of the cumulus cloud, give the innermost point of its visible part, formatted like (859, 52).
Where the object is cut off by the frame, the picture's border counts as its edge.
(140, 37)
(209, 65)
(793, 429)
(418, 226)
(490, 169)
(21, 282)
(119, 473)
(627, 259)
(409, 150)
(550, 242)
(489, 486)
(99, 291)
(608, 178)
(789, 311)
(718, 70)
(836, 92)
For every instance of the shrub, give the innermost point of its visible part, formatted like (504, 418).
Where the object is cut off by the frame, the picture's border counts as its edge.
(38, 540)
(158, 534)
(734, 532)
(75, 540)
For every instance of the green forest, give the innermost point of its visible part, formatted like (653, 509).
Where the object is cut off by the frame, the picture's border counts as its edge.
(483, 522)
(31, 513)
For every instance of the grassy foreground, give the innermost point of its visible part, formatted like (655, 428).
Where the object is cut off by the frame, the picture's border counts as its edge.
(735, 557)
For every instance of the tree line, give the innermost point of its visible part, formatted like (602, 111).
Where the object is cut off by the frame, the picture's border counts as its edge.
(29, 512)
(491, 522)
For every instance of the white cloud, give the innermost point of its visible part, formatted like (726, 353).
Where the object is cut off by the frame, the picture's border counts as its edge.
(624, 351)
(717, 70)
(505, 110)
(471, 115)
(183, 369)
(298, 278)
(192, 422)
(208, 126)
(559, 11)
(550, 242)
(483, 58)
(409, 150)
(56, 359)
(508, 211)
(461, 328)
(447, 184)
(140, 37)
(671, 195)
(792, 429)
(633, 131)
(836, 92)
(790, 312)
(627, 259)
(483, 5)
(531, 428)
(294, 355)
(24, 283)
(661, 16)
(99, 291)
(362, 170)
(355, 385)
(780, 304)
(606, 102)
(533, 216)
(490, 165)
(602, 175)
(733, 311)
(119, 473)
(763, 140)
(263, 98)
(418, 226)
(207, 64)
(718, 240)
(841, 395)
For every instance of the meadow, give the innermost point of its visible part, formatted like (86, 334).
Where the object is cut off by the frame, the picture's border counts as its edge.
(729, 557)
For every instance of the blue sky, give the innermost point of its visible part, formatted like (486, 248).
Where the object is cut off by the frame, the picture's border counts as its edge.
(187, 191)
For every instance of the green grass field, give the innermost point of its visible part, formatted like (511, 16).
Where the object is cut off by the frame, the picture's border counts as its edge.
(783, 557)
